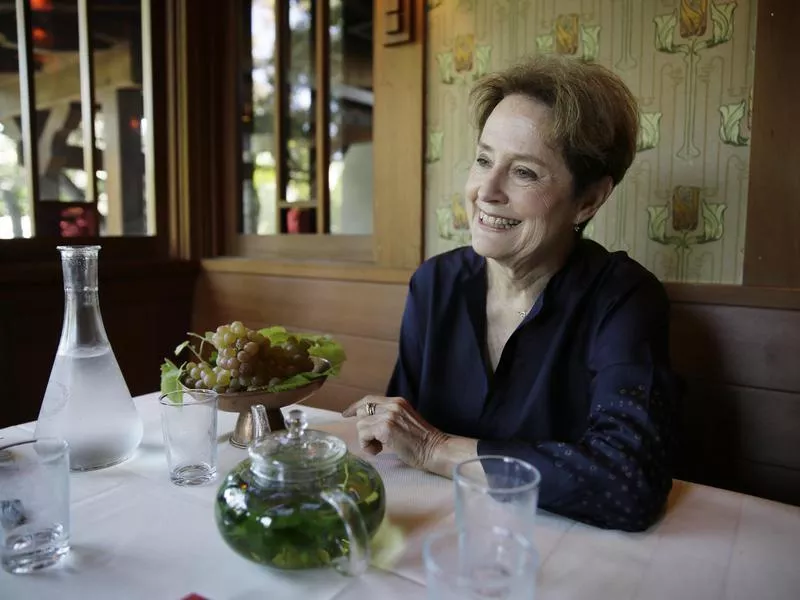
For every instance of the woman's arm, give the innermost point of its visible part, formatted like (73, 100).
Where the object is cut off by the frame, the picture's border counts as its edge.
(406, 375)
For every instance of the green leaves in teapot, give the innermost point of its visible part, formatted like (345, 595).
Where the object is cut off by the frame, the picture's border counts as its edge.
(294, 527)
(301, 500)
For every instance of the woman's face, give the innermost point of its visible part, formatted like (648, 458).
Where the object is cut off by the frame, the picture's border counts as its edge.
(519, 196)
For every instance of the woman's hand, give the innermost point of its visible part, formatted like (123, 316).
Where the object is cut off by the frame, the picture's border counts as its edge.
(393, 423)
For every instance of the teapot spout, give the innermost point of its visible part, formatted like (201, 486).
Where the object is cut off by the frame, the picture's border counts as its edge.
(260, 422)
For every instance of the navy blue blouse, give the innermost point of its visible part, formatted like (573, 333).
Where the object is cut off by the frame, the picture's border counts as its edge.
(583, 389)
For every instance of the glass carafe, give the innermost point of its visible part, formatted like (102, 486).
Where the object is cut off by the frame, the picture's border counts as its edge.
(87, 401)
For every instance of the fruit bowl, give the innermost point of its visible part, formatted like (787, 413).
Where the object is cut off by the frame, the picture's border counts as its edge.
(245, 367)
(240, 402)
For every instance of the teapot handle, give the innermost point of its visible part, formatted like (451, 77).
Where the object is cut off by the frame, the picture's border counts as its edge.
(260, 423)
(358, 560)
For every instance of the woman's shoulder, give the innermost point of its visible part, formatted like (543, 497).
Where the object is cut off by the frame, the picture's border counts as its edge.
(615, 275)
(448, 267)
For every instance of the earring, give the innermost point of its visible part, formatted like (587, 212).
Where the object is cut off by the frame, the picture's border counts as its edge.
(576, 228)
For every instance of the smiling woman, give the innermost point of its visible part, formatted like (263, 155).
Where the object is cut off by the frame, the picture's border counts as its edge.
(580, 386)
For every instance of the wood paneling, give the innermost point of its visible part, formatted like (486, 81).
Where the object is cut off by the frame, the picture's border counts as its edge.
(334, 396)
(369, 310)
(772, 246)
(733, 295)
(399, 118)
(740, 418)
(145, 308)
(746, 346)
(339, 271)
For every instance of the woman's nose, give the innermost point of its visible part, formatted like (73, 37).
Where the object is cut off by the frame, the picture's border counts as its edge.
(491, 190)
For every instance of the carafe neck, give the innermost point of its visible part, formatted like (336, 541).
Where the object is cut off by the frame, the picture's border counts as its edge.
(83, 328)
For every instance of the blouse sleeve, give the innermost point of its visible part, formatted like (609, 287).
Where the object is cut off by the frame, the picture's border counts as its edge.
(618, 474)
(407, 371)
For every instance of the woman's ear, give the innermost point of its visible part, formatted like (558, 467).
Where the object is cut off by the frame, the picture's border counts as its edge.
(593, 198)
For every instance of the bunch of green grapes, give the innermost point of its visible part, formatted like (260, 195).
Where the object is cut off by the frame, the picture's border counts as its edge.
(246, 360)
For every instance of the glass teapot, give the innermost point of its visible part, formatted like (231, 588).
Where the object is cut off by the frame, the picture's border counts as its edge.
(300, 500)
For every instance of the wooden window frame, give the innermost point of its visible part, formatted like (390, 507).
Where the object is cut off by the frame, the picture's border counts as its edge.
(209, 77)
(155, 48)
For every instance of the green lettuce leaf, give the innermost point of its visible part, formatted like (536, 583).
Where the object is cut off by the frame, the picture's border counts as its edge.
(170, 377)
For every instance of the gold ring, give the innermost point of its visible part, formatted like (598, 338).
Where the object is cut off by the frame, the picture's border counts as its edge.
(371, 408)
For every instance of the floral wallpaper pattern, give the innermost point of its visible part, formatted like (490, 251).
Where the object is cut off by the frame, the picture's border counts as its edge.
(682, 207)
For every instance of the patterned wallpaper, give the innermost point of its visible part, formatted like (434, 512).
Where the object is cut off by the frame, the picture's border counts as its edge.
(682, 207)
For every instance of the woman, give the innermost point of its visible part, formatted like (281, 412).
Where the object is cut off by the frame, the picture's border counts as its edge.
(534, 342)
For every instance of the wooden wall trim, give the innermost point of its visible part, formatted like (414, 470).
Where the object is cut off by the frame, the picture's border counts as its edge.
(399, 149)
(772, 246)
(734, 295)
(318, 269)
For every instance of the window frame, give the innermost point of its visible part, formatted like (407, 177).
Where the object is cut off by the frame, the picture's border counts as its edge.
(156, 41)
(395, 248)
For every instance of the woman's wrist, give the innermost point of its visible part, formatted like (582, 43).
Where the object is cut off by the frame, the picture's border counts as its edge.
(446, 451)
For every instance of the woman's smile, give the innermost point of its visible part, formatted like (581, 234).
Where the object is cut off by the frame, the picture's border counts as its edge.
(496, 223)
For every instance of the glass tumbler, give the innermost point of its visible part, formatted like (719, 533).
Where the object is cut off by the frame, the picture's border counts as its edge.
(497, 491)
(189, 423)
(479, 561)
(34, 504)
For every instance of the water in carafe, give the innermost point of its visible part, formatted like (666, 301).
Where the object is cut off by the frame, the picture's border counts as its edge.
(87, 401)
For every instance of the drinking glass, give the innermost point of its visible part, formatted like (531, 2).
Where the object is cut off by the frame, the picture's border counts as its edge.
(498, 491)
(34, 504)
(479, 561)
(189, 422)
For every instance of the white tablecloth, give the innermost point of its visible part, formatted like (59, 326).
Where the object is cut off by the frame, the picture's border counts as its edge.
(137, 536)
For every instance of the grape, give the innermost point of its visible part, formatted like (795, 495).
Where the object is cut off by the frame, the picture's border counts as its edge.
(246, 359)
(246, 369)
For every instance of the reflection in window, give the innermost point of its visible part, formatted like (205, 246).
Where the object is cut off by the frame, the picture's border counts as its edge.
(121, 206)
(284, 147)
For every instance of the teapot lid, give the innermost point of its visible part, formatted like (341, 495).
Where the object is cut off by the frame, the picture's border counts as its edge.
(296, 454)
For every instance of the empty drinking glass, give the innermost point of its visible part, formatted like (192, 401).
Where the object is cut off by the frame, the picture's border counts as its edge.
(497, 491)
(189, 422)
(34, 504)
(479, 562)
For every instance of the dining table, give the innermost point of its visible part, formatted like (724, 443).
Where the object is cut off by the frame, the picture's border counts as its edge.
(136, 535)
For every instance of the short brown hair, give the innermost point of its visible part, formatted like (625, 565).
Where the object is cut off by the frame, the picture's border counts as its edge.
(595, 115)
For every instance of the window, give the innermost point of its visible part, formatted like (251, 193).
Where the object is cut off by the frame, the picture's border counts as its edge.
(306, 116)
(74, 75)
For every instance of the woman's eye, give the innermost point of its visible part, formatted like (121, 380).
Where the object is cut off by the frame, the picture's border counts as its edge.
(526, 174)
(482, 161)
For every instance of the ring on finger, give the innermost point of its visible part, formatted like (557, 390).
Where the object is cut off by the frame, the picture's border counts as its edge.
(371, 408)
